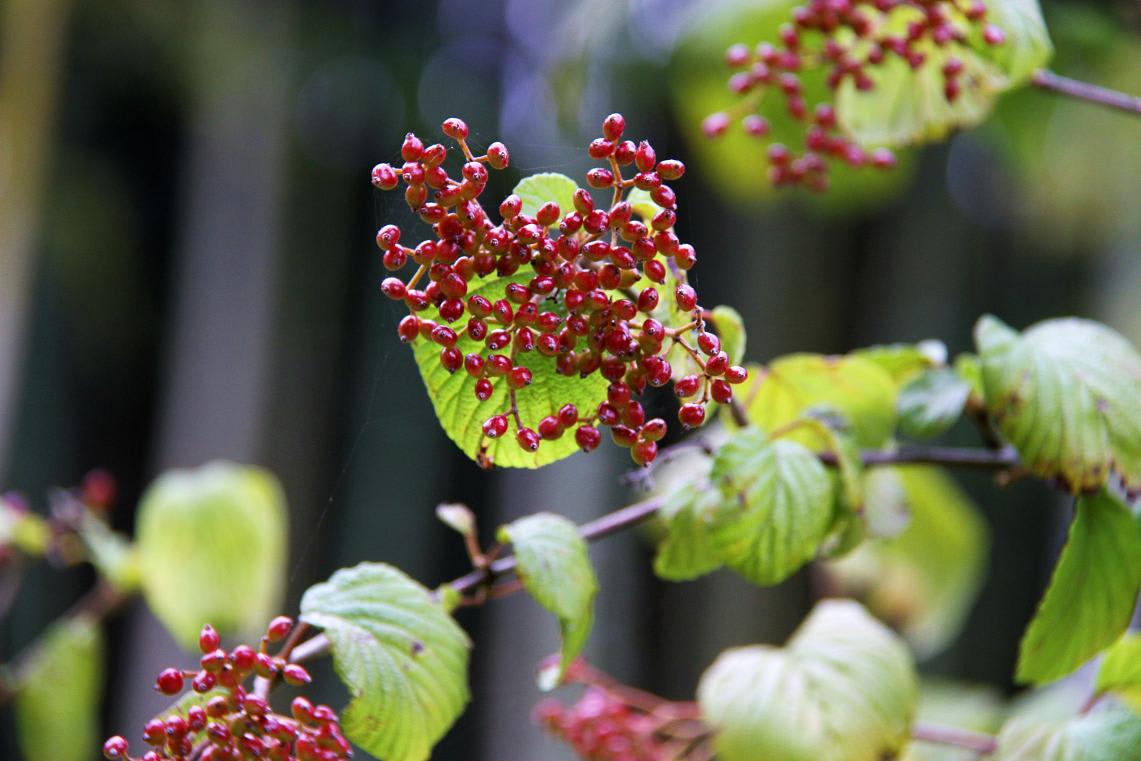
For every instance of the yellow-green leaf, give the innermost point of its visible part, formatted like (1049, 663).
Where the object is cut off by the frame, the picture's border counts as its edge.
(687, 551)
(211, 545)
(1091, 595)
(860, 389)
(776, 508)
(931, 403)
(1112, 734)
(60, 693)
(1120, 671)
(1066, 394)
(538, 189)
(844, 688)
(402, 657)
(553, 564)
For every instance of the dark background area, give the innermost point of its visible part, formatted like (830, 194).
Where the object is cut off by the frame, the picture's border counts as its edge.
(187, 273)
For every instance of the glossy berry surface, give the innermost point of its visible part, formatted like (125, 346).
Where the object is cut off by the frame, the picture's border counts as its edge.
(594, 288)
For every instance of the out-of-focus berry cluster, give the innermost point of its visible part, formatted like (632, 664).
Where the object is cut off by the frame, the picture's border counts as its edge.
(613, 722)
(592, 304)
(847, 39)
(237, 724)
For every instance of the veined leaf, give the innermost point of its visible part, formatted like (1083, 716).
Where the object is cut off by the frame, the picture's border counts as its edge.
(777, 506)
(1113, 734)
(1027, 47)
(843, 689)
(1120, 672)
(59, 695)
(1091, 595)
(1066, 394)
(904, 361)
(687, 551)
(862, 391)
(462, 415)
(926, 579)
(211, 549)
(403, 659)
(553, 564)
(932, 403)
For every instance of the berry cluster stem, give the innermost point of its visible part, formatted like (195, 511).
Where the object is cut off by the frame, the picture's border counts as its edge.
(1073, 88)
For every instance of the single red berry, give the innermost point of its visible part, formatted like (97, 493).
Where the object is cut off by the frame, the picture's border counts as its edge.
(483, 389)
(495, 426)
(204, 681)
(588, 438)
(715, 125)
(393, 288)
(169, 682)
(497, 156)
(409, 328)
(736, 374)
(208, 639)
(691, 415)
(412, 149)
(993, 35)
(644, 453)
(550, 428)
(243, 658)
(454, 128)
(687, 386)
(295, 675)
(279, 628)
(721, 391)
(686, 297)
(519, 377)
(527, 439)
(613, 126)
(384, 177)
(116, 747)
(654, 430)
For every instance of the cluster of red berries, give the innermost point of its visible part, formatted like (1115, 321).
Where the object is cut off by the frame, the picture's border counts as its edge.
(236, 724)
(601, 727)
(846, 38)
(588, 299)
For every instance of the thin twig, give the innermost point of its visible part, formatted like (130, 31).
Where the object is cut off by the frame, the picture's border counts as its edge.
(1102, 96)
(959, 738)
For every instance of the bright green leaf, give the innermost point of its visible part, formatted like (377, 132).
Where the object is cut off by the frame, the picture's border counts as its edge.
(843, 689)
(538, 189)
(1066, 394)
(777, 506)
(462, 415)
(400, 654)
(968, 367)
(60, 693)
(932, 403)
(1091, 596)
(1112, 734)
(926, 579)
(553, 564)
(211, 547)
(687, 551)
(859, 389)
(1120, 671)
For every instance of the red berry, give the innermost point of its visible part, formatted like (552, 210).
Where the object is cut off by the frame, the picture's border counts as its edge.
(686, 297)
(721, 391)
(495, 426)
(588, 438)
(527, 439)
(115, 748)
(715, 125)
(455, 128)
(243, 657)
(483, 389)
(613, 126)
(691, 415)
(295, 675)
(644, 453)
(519, 377)
(384, 177)
(993, 35)
(208, 639)
(169, 682)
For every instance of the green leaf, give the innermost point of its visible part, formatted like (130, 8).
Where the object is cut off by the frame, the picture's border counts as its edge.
(111, 553)
(60, 693)
(1091, 595)
(211, 544)
(843, 689)
(970, 370)
(26, 530)
(642, 204)
(926, 579)
(777, 508)
(462, 415)
(859, 389)
(544, 187)
(688, 550)
(1027, 47)
(1113, 734)
(1120, 672)
(1066, 394)
(402, 657)
(932, 403)
(553, 564)
(904, 361)
(731, 328)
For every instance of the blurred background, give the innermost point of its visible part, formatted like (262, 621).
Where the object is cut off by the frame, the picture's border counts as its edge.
(188, 272)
